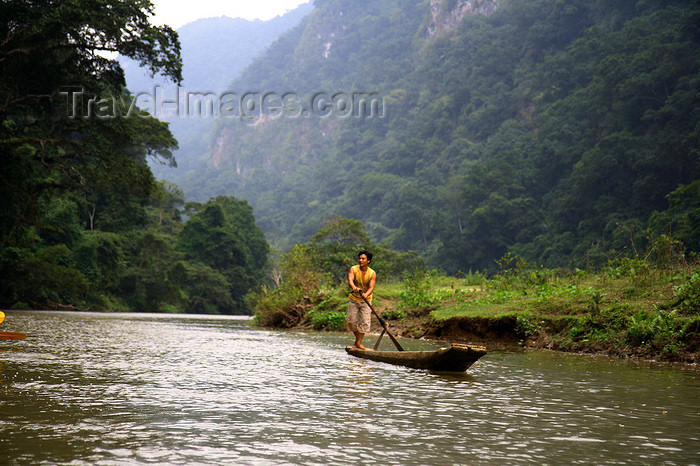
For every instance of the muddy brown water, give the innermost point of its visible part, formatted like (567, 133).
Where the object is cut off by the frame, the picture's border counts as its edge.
(172, 389)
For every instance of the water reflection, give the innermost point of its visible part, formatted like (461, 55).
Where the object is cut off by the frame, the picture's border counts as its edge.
(118, 388)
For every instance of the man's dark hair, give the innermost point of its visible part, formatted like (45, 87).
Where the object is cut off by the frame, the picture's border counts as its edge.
(366, 253)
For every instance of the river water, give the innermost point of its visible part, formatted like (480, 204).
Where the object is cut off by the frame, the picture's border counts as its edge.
(172, 389)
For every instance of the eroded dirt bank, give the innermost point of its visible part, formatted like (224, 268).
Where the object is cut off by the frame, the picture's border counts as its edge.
(507, 333)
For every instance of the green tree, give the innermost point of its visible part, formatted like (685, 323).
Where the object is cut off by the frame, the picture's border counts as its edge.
(204, 290)
(682, 218)
(146, 283)
(336, 245)
(45, 280)
(165, 208)
(73, 149)
(224, 236)
(333, 250)
(48, 53)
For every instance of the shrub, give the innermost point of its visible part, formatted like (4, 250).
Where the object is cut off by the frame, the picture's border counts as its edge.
(395, 313)
(333, 320)
(627, 267)
(329, 313)
(525, 326)
(279, 308)
(688, 295)
(298, 293)
(472, 278)
(417, 297)
(645, 327)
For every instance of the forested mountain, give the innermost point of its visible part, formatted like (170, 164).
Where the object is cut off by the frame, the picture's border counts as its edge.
(557, 130)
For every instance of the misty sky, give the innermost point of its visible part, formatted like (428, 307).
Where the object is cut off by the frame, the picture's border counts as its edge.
(177, 13)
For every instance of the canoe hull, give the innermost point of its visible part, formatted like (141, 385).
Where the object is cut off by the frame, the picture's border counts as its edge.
(12, 336)
(456, 358)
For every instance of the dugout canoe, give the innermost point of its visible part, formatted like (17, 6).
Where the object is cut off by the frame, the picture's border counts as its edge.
(455, 358)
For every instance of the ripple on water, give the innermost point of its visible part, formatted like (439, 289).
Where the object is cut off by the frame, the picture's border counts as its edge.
(210, 390)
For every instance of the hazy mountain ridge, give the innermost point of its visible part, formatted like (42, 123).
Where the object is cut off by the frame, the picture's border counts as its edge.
(214, 52)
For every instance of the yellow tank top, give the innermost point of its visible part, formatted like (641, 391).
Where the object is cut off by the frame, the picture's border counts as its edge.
(362, 280)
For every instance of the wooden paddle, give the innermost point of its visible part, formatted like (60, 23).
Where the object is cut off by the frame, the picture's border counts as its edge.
(12, 336)
(379, 340)
(383, 324)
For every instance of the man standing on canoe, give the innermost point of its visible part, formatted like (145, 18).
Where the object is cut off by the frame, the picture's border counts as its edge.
(361, 280)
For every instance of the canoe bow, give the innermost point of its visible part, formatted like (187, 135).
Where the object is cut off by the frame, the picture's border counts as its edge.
(455, 358)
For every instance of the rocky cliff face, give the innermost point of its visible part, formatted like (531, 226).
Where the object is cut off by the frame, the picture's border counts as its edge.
(342, 45)
(446, 15)
(335, 33)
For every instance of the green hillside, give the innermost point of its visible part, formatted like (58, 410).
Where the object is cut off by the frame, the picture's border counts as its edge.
(562, 131)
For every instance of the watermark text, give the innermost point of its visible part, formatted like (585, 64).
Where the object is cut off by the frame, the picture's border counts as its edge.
(249, 107)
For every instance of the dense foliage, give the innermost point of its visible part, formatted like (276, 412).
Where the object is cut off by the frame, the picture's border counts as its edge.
(563, 131)
(224, 237)
(83, 223)
(312, 277)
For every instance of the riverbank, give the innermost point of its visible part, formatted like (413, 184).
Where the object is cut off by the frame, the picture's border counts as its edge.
(505, 333)
(631, 309)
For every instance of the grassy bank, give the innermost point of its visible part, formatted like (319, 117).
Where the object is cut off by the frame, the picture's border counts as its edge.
(629, 309)
(632, 307)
